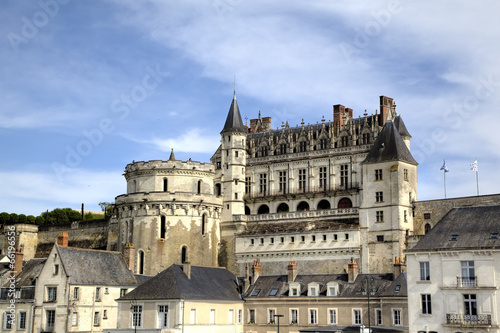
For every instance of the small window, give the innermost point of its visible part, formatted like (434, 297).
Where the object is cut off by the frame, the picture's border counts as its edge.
(96, 319)
(74, 319)
(106, 291)
(313, 238)
(282, 239)
(427, 216)
(76, 292)
(346, 236)
(454, 237)
(104, 314)
(380, 238)
(255, 292)
(324, 238)
(252, 241)
(335, 237)
(56, 269)
(292, 239)
(123, 292)
(302, 238)
(398, 288)
(51, 294)
(494, 235)
(236, 153)
(273, 292)
(272, 240)
(262, 241)
(22, 320)
(378, 174)
(98, 294)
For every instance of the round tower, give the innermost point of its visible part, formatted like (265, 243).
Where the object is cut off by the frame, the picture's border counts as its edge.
(170, 213)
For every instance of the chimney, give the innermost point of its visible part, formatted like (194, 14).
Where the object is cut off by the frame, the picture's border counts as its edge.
(385, 108)
(257, 269)
(292, 271)
(186, 268)
(62, 239)
(18, 261)
(352, 271)
(129, 256)
(399, 267)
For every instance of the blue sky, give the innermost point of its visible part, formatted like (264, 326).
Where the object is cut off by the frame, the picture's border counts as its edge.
(89, 86)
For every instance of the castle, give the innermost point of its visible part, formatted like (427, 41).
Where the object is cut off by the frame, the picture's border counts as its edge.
(320, 195)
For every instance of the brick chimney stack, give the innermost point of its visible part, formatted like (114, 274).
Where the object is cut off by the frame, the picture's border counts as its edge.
(257, 269)
(292, 271)
(352, 271)
(129, 256)
(386, 104)
(62, 239)
(18, 261)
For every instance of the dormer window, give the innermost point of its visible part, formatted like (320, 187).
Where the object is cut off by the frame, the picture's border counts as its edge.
(332, 289)
(294, 289)
(313, 289)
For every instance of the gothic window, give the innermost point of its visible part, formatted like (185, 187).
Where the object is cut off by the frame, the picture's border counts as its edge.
(282, 181)
(323, 144)
(322, 178)
(344, 175)
(302, 146)
(163, 227)
(345, 141)
(184, 255)
(302, 179)
(140, 262)
(263, 183)
(203, 224)
(264, 151)
(282, 148)
(366, 138)
(247, 185)
(427, 228)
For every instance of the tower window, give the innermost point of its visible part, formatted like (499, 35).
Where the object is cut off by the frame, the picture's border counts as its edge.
(165, 184)
(236, 154)
(163, 227)
(203, 223)
(184, 254)
(199, 187)
(378, 174)
(140, 263)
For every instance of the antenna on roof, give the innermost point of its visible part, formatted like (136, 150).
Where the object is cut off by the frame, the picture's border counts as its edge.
(234, 84)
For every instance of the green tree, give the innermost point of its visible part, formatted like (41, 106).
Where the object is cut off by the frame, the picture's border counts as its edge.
(39, 220)
(89, 216)
(60, 216)
(4, 218)
(22, 219)
(72, 214)
(31, 219)
(13, 218)
(107, 208)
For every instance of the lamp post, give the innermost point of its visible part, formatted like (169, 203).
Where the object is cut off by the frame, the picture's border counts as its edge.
(369, 289)
(278, 316)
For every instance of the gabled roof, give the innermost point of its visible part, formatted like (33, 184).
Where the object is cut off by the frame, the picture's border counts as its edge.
(30, 272)
(389, 146)
(233, 120)
(384, 283)
(473, 228)
(206, 283)
(94, 267)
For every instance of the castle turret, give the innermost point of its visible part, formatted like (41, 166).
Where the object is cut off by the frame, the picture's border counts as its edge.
(389, 188)
(233, 163)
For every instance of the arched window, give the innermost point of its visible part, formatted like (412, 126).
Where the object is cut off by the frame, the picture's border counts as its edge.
(345, 203)
(282, 208)
(184, 255)
(199, 187)
(324, 204)
(427, 228)
(203, 224)
(218, 191)
(263, 209)
(163, 227)
(140, 262)
(247, 210)
(165, 184)
(302, 206)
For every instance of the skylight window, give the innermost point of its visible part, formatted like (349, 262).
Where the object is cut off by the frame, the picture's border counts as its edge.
(273, 292)
(255, 292)
(454, 237)
(494, 235)
(398, 288)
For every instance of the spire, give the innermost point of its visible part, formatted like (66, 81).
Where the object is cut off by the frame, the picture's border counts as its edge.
(233, 120)
(389, 146)
(172, 156)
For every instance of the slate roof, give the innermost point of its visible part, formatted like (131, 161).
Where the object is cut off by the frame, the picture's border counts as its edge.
(233, 120)
(206, 283)
(25, 280)
(264, 228)
(473, 227)
(94, 267)
(384, 283)
(389, 146)
(400, 125)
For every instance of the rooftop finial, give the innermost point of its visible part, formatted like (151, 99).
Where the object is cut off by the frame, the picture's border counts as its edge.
(172, 156)
(234, 84)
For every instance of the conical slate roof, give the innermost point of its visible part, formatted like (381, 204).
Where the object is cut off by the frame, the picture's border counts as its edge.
(233, 120)
(389, 146)
(172, 156)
